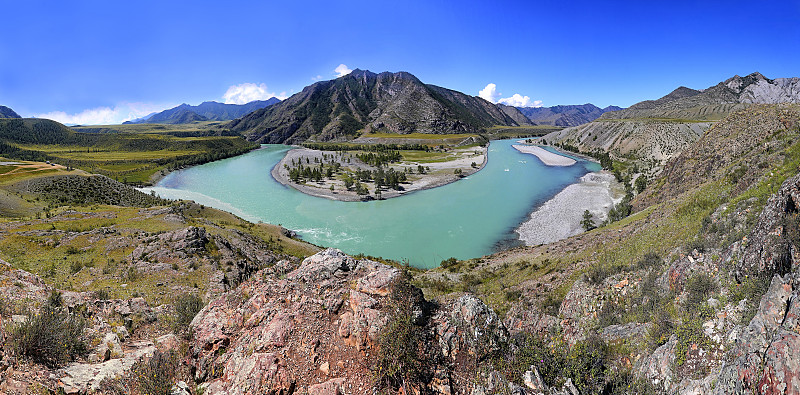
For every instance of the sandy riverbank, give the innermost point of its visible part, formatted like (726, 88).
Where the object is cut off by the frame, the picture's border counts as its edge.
(547, 157)
(560, 217)
(440, 173)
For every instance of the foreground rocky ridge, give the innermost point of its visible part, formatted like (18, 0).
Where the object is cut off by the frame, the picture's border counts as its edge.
(337, 324)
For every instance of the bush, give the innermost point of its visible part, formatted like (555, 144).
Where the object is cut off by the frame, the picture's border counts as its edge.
(52, 337)
(54, 299)
(156, 375)
(662, 329)
(699, 288)
(450, 262)
(401, 356)
(186, 308)
(551, 304)
(527, 349)
(598, 272)
(153, 376)
(691, 332)
(751, 288)
(650, 260)
(695, 244)
(610, 314)
(586, 365)
(75, 267)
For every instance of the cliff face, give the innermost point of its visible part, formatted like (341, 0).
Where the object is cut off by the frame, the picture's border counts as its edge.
(363, 101)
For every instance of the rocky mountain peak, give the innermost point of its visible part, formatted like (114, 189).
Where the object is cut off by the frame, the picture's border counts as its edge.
(738, 84)
(362, 101)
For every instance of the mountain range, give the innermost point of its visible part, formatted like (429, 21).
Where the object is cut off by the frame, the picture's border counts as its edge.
(6, 112)
(206, 111)
(363, 101)
(565, 115)
(653, 131)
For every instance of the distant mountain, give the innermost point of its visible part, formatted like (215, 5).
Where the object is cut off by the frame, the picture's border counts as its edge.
(6, 112)
(364, 101)
(206, 111)
(716, 101)
(653, 131)
(569, 115)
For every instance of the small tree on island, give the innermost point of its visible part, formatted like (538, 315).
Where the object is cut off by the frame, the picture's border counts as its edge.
(587, 223)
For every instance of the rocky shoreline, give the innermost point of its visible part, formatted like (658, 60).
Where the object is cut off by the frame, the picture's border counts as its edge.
(560, 217)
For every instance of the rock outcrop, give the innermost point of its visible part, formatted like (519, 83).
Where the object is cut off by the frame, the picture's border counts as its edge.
(318, 330)
(114, 333)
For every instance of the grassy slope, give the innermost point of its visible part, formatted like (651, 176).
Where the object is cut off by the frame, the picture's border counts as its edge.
(544, 274)
(132, 154)
(61, 243)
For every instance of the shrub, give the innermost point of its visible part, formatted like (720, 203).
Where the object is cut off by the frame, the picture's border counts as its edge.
(450, 262)
(525, 350)
(54, 299)
(751, 288)
(650, 260)
(610, 314)
(598, 272)
(551, 304)
(691, 332)
(401, 356)
(699, 288)
(155, 375)
(586, 365)
(662, 329)
(75, 267)
(186, 307)
(695, 244)
(52, 337)
(101, 294)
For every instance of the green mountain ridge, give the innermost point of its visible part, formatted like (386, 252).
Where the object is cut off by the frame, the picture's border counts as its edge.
(6, 112)
(363, 102)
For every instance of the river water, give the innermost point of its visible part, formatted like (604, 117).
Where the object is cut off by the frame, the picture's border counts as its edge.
(466, 219)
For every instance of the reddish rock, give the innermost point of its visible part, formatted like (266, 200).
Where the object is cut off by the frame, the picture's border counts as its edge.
(330, 387)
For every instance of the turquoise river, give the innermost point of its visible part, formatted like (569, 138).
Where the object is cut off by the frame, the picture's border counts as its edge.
(465, 219)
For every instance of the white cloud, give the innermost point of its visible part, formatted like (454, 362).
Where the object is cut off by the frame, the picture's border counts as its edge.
(317, 78)
(247, 92)
(342, 70)
(104, 115)
(518, 100)
(490, 94)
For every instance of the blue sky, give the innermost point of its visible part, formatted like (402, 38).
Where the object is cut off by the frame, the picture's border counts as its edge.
(101, 61)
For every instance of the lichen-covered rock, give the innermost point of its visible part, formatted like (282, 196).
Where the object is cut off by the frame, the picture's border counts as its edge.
(272, 334)
(467, 325)
(765, 356)
(765, 249)
(318, 330)
(658, 367)
(85, 377)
